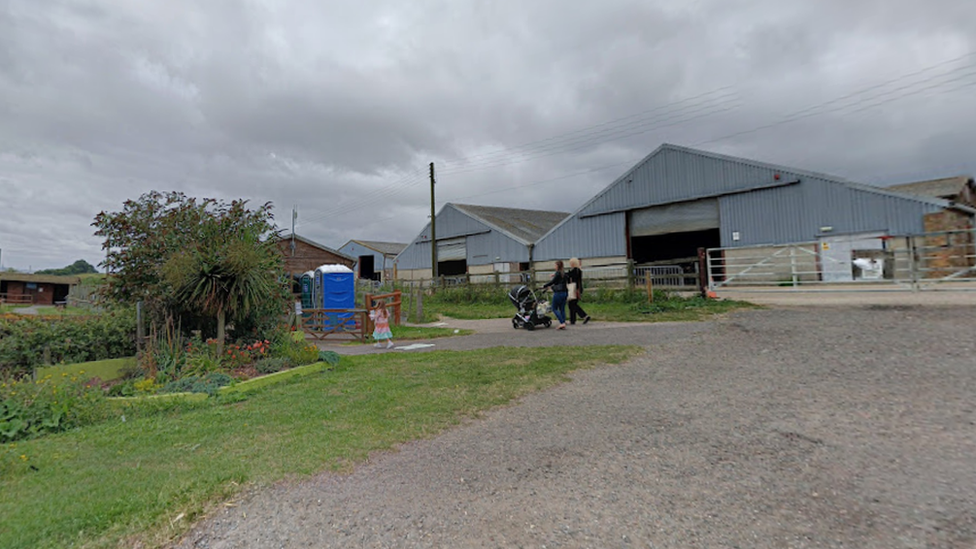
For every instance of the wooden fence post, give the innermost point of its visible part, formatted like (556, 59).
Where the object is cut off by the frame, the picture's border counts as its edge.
(631, 278)
(702, 272)
(420, 305)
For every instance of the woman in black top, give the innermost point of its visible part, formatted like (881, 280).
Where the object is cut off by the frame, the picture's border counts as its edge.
(575, 275)
(559, 294)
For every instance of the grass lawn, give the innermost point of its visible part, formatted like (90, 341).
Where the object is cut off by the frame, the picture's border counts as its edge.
(144, 478)
(407, 333)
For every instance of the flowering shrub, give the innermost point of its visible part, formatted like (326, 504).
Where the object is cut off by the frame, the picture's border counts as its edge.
(48, 405)
(238, 355)
(301, 353)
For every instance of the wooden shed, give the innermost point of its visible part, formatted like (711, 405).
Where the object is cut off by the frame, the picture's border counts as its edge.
(303, 255)
(34, 289)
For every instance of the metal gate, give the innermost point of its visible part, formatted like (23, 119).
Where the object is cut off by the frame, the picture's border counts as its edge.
(930, 261)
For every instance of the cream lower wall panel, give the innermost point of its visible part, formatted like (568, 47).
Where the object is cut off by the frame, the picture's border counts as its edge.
(413, 274)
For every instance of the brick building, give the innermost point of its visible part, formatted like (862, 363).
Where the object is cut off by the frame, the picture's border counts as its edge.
(302, 255)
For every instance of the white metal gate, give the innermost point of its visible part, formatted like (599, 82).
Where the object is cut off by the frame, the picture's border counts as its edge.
(940, 260)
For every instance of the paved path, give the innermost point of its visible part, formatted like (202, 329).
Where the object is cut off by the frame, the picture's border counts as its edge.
(499, 332)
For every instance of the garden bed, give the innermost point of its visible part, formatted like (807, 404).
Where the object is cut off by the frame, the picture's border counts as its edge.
(241, 387)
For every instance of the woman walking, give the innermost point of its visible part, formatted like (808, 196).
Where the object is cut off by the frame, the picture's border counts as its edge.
(559, 294)
(575, 276)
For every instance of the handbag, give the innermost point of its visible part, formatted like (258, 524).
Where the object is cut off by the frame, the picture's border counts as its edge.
(571, 288)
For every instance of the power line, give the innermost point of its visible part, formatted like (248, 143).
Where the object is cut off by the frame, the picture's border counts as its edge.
(389, 190)
(822, 108)
(682, 118)
(479, 158)
(834, 105)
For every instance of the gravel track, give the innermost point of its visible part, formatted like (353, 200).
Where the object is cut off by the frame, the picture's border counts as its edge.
(835, 427)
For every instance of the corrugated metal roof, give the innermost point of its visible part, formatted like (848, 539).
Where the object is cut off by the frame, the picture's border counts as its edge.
(946, 187)
(526, 226)
(385, 248)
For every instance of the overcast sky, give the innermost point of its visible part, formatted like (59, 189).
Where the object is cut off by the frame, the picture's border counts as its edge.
(338, 107)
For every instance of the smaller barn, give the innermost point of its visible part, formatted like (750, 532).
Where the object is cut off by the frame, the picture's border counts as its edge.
(303, 255)
(35, 289)
(477, 240)
(374, 260)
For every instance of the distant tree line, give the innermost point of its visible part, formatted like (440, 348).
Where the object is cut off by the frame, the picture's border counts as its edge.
(77, 268)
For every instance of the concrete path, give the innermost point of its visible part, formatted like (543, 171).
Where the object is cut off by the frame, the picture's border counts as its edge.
(499, 332)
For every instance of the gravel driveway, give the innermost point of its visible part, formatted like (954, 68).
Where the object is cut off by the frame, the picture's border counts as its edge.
(834, 427)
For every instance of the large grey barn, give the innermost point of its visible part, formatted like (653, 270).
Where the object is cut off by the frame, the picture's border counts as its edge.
(477, 240)
(678, 199)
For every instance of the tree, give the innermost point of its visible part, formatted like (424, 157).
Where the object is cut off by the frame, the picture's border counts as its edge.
(229, 272)
(181, 257)
(78, 267)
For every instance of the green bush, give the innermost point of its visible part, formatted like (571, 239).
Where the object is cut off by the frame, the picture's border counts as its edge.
(669, 303)
(622, 295)
(271, 365)
(329, 357)
(48, 405)
(193, 384)
(469, 294)
(25, 342)
(300, 353)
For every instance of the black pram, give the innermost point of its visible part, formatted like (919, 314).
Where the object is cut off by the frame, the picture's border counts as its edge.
(531, 312)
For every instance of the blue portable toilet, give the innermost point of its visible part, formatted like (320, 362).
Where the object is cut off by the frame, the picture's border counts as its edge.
(335, 285)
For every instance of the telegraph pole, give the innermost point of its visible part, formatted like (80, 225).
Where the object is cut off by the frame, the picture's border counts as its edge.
(294, 216)
(433, 229)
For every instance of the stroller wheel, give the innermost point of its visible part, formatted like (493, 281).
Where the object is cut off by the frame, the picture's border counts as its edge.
(548, 323)
(515, 324)
(529, 326)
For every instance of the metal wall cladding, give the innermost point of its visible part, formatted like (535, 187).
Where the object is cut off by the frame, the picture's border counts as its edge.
(813, 207)
(482, 243)
(414, 256)
(356, 250)
(676, 174)
(596, 236)
(494, 247)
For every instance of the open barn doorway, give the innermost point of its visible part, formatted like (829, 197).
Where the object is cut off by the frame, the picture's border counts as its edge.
(367, 268)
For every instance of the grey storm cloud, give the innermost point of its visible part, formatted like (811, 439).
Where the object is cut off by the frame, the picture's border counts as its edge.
(338, 107)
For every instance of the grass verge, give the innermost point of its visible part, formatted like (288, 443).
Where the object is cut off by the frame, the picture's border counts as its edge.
(144, 477)
(106, 370)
